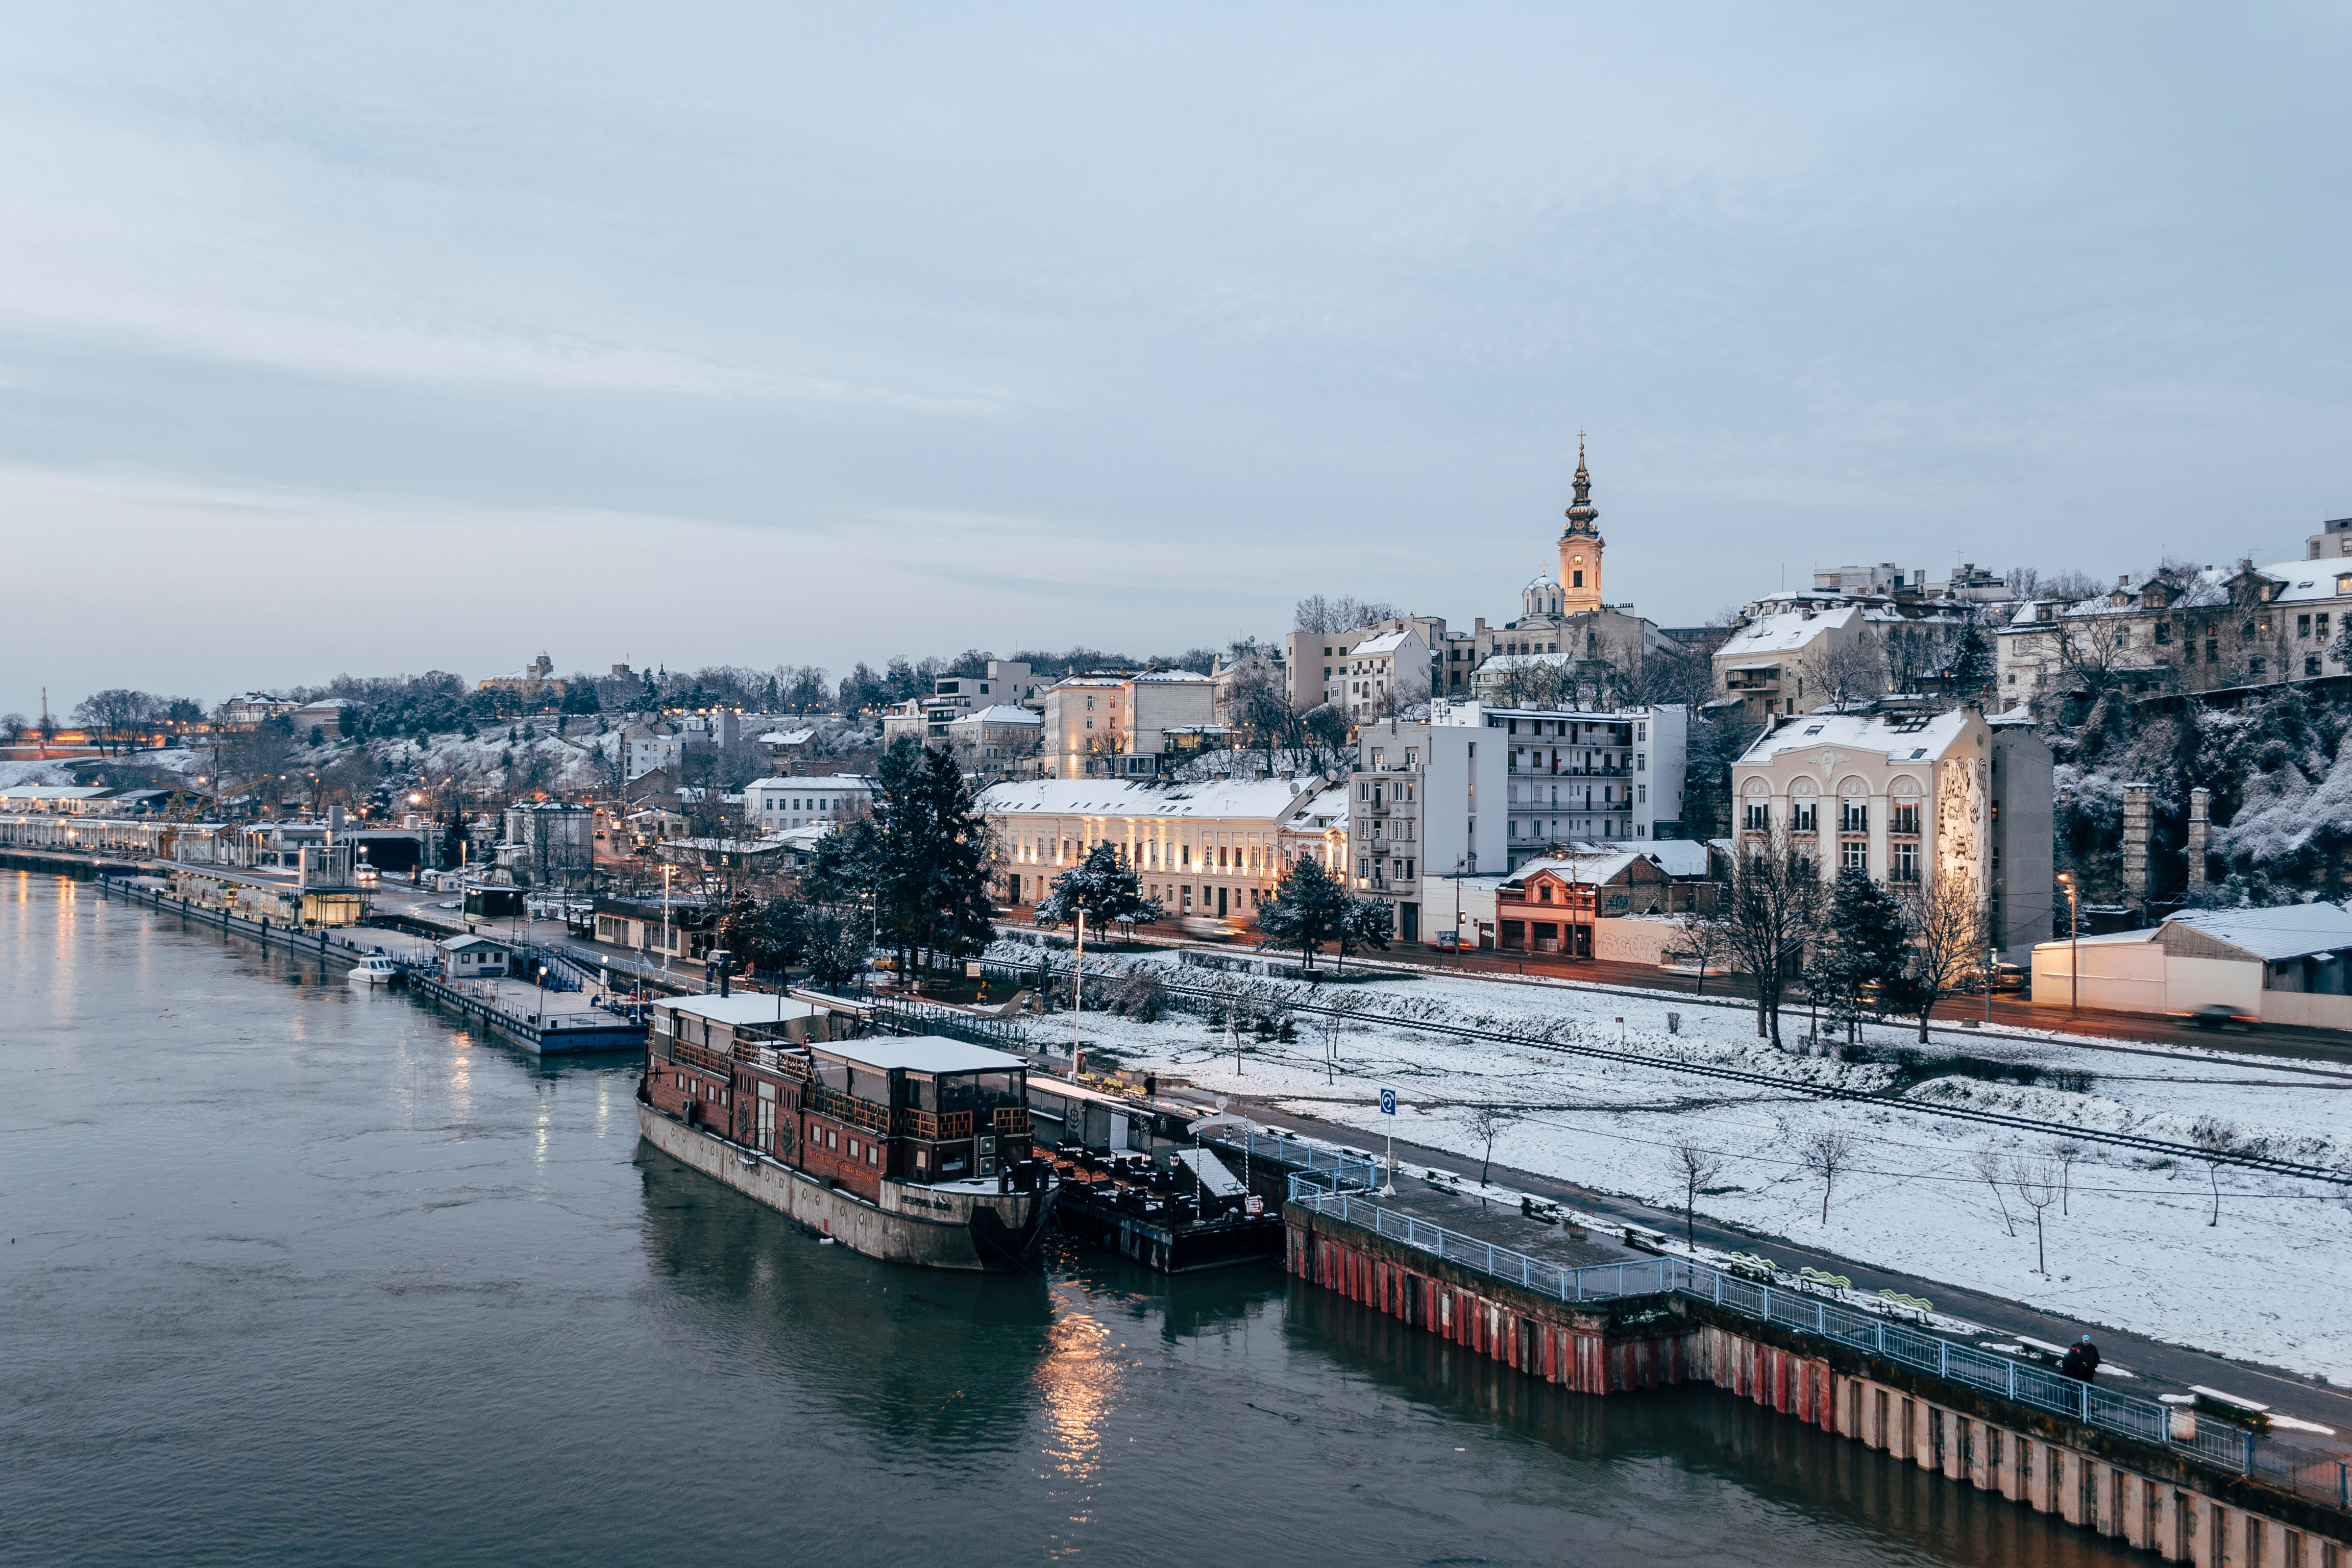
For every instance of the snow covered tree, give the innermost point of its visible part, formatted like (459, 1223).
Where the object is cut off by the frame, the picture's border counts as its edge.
(1366, 923)
(917, 865)
(1863, 947)
(1308, 906)
(1103, 887)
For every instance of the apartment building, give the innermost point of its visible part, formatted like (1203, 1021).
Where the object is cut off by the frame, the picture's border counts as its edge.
(1910, 798)
(779, 804)
(1424, 805)
(1001, 741)
(1207, 850)
(1317, 663)
(1003, 682)
(1574, 774)
(2187, 631)
(1127, 725)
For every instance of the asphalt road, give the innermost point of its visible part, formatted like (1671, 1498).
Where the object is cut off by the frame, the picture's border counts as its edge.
(2159, 1367)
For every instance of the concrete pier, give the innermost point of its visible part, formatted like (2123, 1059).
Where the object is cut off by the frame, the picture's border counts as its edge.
(2157, 1498)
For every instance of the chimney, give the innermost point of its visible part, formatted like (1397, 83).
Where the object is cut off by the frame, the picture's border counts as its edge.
(2200, 833)
(2135, 845)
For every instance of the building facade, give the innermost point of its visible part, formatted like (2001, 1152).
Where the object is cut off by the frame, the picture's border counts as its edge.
(1206, 849)
(1574, 775)
(1127, 725)
(779, 804)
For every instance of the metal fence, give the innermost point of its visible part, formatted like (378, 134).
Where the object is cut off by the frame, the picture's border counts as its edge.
(1335, 1169)
(2216, 1443)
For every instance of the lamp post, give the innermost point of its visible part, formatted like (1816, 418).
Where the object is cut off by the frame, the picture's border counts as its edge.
(2073, 937)
(665, 917)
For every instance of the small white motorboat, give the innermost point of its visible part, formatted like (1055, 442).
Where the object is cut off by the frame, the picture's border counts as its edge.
(375, 969)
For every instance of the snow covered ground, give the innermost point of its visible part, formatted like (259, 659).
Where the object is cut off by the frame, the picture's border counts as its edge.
(2130, 1243)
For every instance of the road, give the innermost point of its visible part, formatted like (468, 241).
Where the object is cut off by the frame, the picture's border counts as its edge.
(2158, 1367)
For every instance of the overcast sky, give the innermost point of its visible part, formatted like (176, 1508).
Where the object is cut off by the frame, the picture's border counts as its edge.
(369, 340)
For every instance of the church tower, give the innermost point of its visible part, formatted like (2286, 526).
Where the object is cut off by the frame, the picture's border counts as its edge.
(1580, 545)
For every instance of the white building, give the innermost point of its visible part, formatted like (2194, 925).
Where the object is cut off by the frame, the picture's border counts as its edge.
(1427, 803)
(776, 805)
(1007, 682)
(1383, 674)
(2283, 964)
(1572, 774)
(998, 740)
(1208, 848)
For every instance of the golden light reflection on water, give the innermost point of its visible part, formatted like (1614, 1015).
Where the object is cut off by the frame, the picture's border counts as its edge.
(1078, 1382)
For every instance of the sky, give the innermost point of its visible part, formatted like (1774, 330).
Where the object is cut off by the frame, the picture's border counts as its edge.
(397, 338)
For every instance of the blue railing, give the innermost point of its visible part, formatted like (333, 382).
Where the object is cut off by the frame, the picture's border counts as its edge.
(2213, 1442)
(1330, 1169)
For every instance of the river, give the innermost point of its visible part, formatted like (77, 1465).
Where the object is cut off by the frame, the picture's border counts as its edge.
(297, 1273)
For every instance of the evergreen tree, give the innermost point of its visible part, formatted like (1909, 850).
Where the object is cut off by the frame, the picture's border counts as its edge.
(1103, 888)
(1863, 945)
(1309, 908)
(919, 863)
(1366, 923)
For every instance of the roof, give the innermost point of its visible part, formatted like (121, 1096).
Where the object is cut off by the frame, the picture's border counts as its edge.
(1899, 737)
(1258, 798)
(746, 1007)
(452, 943)
(1676, 856)
(2275, 931)
(1586, 868)
(919, 1053)
(1328, 808)
(813, 781)
(1786, 632)
(1000, 713)
(1388, 642)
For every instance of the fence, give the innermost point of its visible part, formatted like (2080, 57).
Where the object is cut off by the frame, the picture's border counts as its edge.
(1322, 1164)
(2219, 1444)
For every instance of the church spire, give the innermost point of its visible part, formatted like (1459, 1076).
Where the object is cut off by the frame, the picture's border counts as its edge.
(1580, 545)
(1583, 514)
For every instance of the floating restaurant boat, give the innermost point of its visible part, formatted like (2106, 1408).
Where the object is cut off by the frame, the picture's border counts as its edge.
(914, 1149)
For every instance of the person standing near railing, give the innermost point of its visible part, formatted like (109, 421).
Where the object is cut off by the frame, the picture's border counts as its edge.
(2081, 1359)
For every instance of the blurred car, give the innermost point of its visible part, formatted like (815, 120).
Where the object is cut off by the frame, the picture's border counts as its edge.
(1209, 927)
(2220, 1015)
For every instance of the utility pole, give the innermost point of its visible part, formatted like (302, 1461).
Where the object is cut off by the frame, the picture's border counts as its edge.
(2073, 937)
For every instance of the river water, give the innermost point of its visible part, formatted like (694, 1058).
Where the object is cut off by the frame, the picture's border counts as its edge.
(296, 1273)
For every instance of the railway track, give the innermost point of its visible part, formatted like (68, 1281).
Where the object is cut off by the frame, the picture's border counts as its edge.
(2240, 1159)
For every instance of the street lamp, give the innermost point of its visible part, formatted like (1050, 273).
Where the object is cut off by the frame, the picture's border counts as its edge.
(2073, 936)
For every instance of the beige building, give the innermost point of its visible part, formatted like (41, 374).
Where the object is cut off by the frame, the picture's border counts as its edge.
(1315, 663)
(1774, 663)
(1208, 849)
(1127, 725)
(1001, 741)
(1384, 674)
(2190, 631)
(1910, 799)
(1003, 682)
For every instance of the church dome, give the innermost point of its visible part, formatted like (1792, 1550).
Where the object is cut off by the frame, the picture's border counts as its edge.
(1541, 580)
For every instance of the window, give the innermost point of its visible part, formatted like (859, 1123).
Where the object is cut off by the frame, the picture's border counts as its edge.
(1760, 816)
(2258, 666)
(2321, 629)
(1804, 813)
(2212, 650)
(1854, 854)
(1906, 861)
(1580, 579)
(1853, 815)
(2311, 664)
(1907, 817)
(2302, 626)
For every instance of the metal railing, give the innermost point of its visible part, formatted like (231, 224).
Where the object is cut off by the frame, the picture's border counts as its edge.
(2221, 1443)
(1336, 1168)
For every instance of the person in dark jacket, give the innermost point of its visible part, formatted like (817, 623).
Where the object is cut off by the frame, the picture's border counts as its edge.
(2081, 1359)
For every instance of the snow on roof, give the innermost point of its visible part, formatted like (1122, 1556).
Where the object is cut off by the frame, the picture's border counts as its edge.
(1502, 663)
(1000, 713)
(1387, 642)
(1901, 737)
(1676, 856)
(813, 781)
(787, 737)
(1327, 809)
(2276, 932)
(1606, 868)
(454, 943)
(1253, 798)
(1786, 632)
(751, 1008)
(919, 1053)
(1541, 580)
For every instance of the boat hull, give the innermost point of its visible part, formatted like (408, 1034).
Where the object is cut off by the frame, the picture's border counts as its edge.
(994, 1233)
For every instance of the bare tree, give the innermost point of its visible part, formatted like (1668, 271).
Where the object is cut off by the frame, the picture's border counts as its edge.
(1485, 1121)
(1769, 914)
(2216, 1140)
(1342, 613)
(1708, 940)
(1948, 940)
(1826, 1154)
(1847, 672)
(1986, 1163)
(2039, 1184)
(2066, 1151)
(1694, 1167)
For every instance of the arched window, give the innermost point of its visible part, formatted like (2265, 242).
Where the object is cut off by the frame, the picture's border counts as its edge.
(1758, 799)
(1903, 802)
(1854, 807)
(1804, 806)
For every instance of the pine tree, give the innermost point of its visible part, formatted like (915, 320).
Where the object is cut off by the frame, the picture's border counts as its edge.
(1365, 924)
(1310, 905)
(1103, 887)
(1864, 945)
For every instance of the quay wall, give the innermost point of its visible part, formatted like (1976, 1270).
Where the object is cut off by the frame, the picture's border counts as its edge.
(2149, 1498)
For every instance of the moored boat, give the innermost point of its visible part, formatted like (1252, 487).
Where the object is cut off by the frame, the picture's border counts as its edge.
(909, 1148)
(375, 968)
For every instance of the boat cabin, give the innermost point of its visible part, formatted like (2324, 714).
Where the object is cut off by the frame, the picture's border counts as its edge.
(921, 1110)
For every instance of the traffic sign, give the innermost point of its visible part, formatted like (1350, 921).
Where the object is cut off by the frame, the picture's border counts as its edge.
(1388, 1103)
